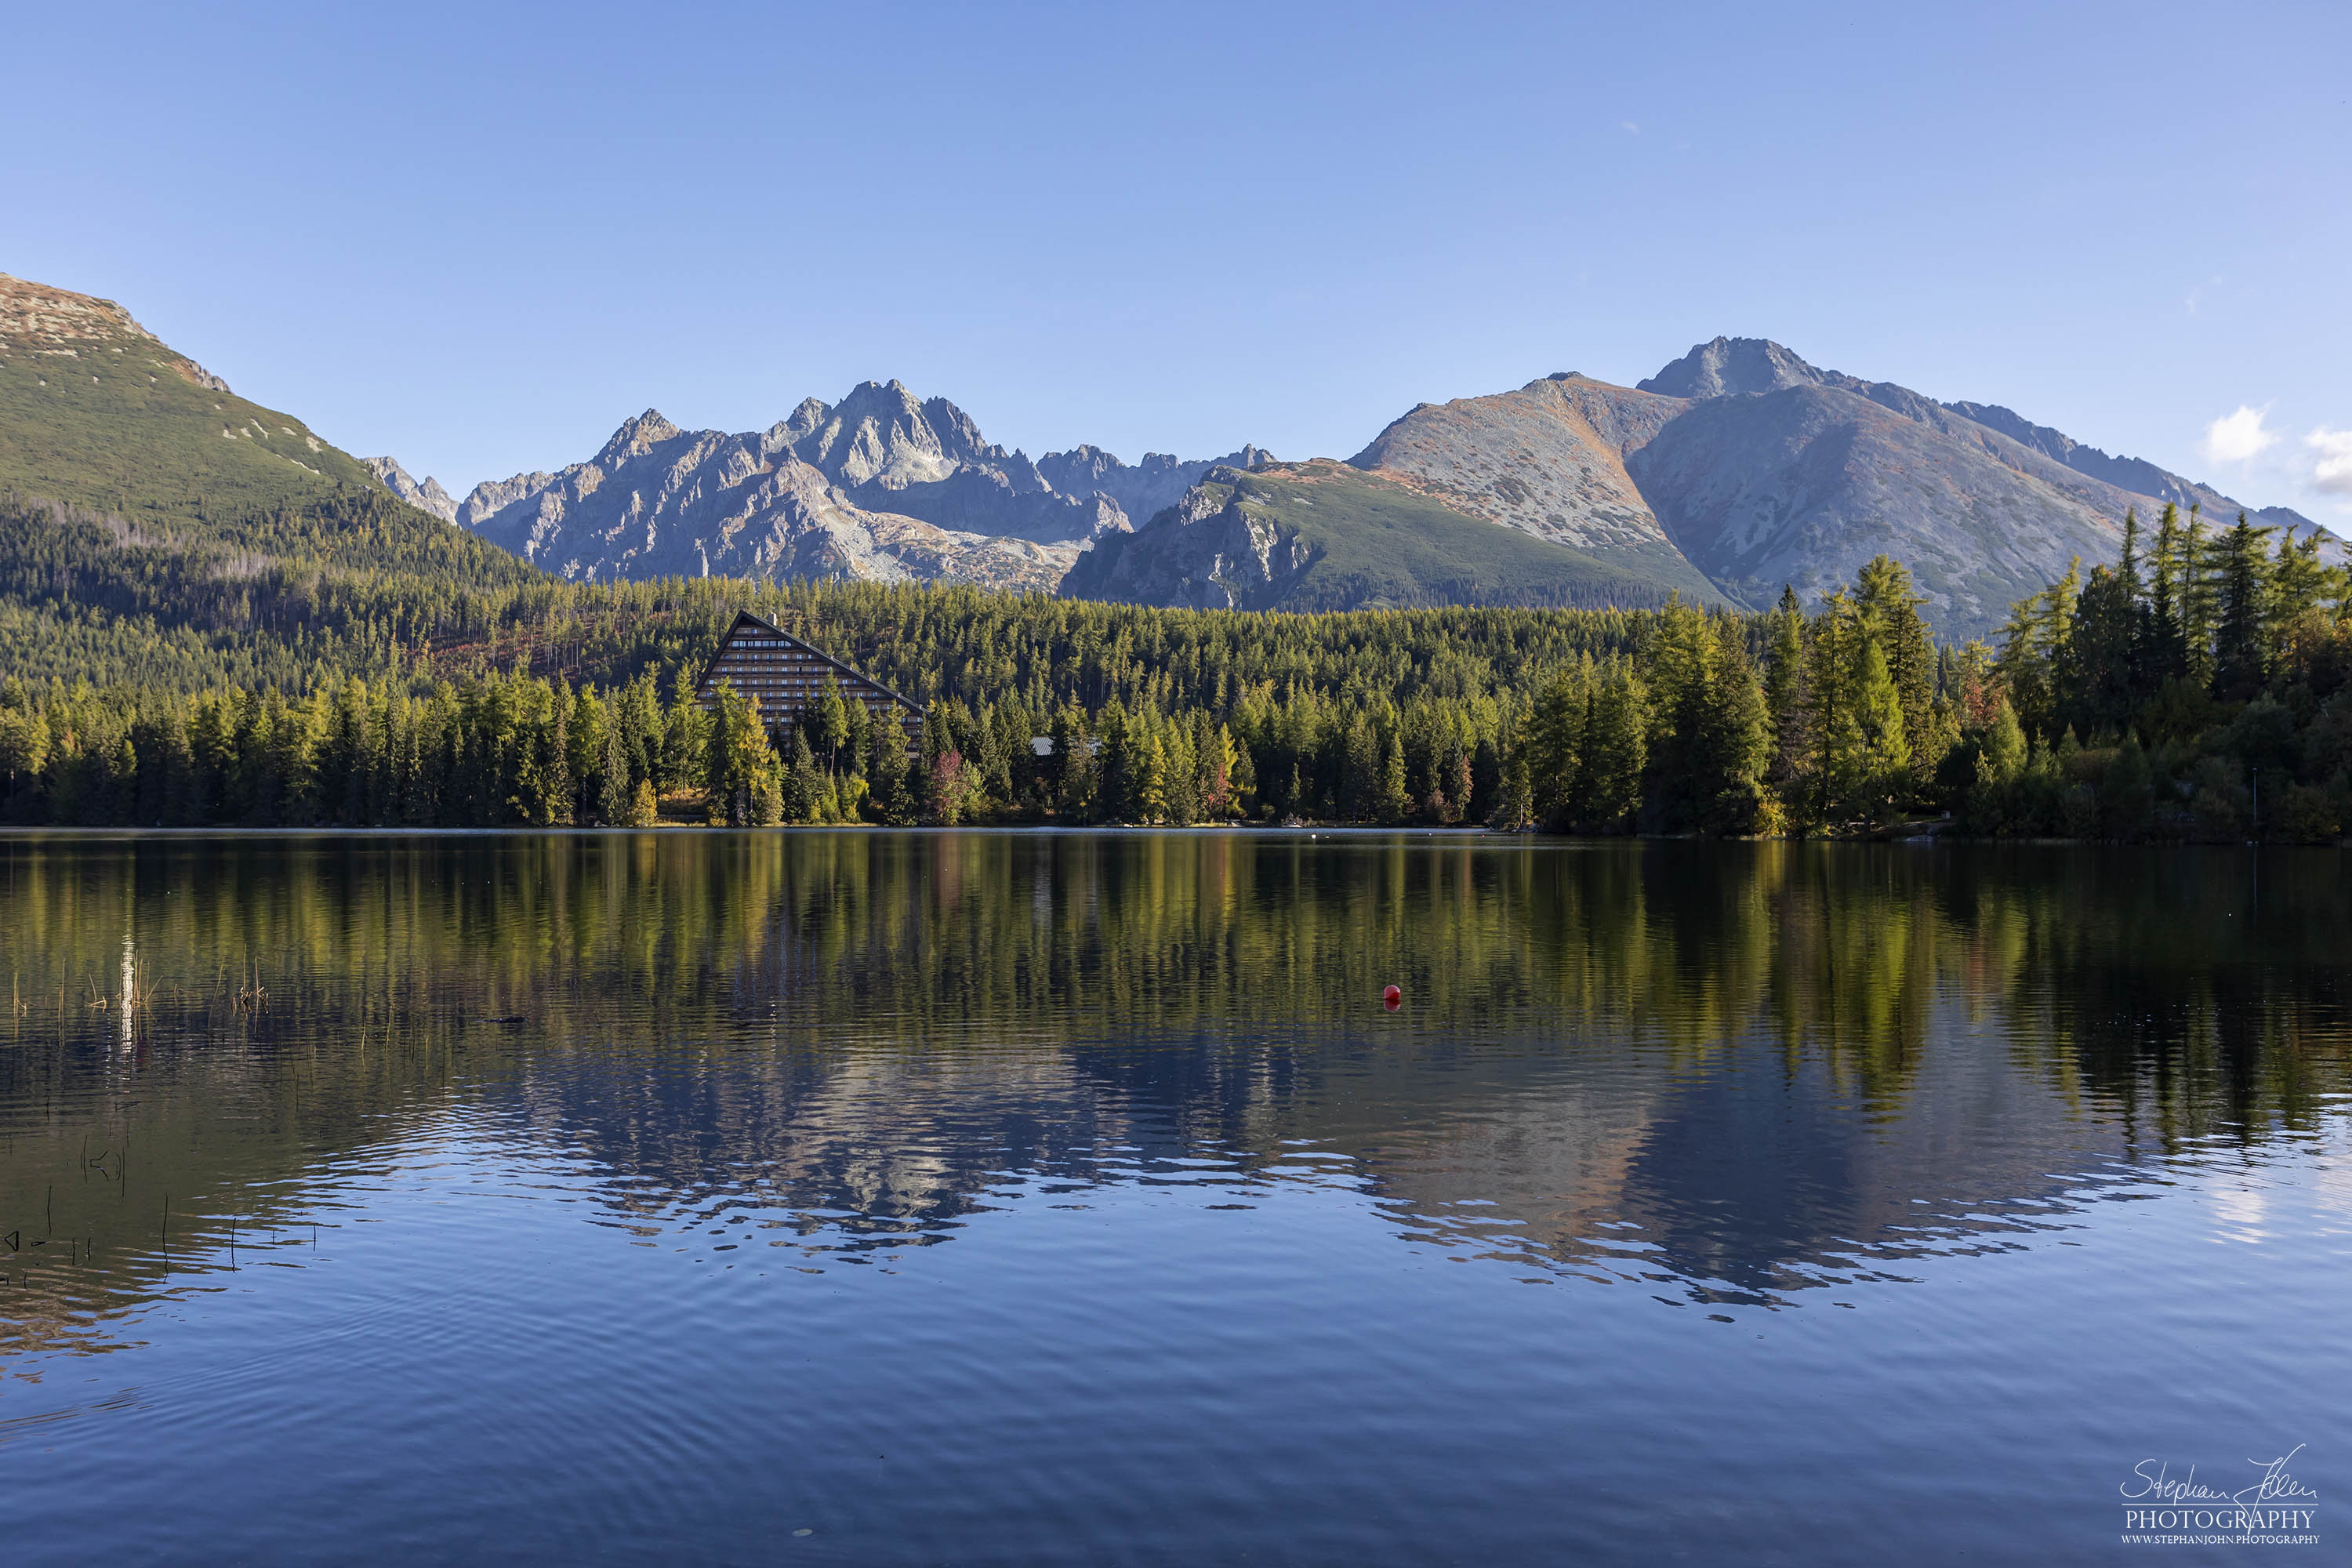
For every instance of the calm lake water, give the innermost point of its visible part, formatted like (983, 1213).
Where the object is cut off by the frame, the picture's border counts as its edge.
(869, 1197)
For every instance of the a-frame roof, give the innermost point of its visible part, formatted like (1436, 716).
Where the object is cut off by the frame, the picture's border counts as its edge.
(744, 618)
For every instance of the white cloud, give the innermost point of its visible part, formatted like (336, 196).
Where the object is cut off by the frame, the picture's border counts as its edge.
(1629, 126)
(2238, 438)
(2332, 471)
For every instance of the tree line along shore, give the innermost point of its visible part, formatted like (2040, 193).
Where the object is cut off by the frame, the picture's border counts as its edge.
(2197, 690)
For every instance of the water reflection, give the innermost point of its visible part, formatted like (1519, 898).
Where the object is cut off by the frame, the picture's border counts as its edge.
(1723, 1075)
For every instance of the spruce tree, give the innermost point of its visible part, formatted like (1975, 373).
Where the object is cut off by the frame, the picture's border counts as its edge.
(1881, 766)
(2241, 633)
(1151, 774)
(799, 787)
(1615, 749)
(2200, 599)
(2300, 584)
(1122, 765)
(1394, 802)
(616, 792)
(1784, 689)
(2097, 672)
(2165, 653)
(2128, 794)
(827, 719)
(1888, 604)
(1551, 745)
(1736, 745)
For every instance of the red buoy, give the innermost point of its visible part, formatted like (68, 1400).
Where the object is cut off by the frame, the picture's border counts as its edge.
(1392, 998)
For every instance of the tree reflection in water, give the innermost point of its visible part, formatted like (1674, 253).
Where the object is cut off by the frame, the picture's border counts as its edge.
(1730, 1072)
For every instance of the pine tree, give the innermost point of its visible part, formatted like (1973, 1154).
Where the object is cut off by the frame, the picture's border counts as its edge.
(1394, 802)
(2128, 795)
(2303, 631)
(1247, 799)
(1888, 604)
(2002, 755)
(585, 752)
(800, 785)
(1073, 761)
(1151, 802)
(1212, 746)
(1880, 767)
(2200, 600)
(1551, 746)
(885, 768)
(827, 722)
(1784, 692)
(1122, 765)
(2037, 630)
(2097, 673)
(1736, 745)
(685, 755)
(2165, 653)
(2241, 576)
(617, 793)
(1359, 775)
(1615, 749)
(1682, 786)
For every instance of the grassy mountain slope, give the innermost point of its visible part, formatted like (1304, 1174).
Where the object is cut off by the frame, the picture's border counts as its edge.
(95, 410)
(1325, 536)
(153, 522)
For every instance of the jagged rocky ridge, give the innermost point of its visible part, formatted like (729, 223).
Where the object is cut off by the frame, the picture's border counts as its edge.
(880, 486)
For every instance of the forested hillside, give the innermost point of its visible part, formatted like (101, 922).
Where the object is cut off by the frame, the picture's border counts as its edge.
(2198, 691)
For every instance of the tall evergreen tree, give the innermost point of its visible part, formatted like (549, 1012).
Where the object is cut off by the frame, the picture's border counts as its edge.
(1736, 744)
(2165, 654)
(2242, 631)
(1615, 751)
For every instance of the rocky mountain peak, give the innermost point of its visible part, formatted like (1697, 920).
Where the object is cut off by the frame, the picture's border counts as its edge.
(427, 496)
(881, 432)
(1727, 367)
(636, 436)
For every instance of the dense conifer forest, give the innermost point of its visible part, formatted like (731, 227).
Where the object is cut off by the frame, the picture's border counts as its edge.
(343, 667)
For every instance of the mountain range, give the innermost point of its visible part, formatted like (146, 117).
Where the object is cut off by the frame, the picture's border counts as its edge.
(880, 486)
(1737, 468)
(1735, 471)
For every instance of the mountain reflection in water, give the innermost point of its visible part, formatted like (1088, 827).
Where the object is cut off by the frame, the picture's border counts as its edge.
(1726, 1076)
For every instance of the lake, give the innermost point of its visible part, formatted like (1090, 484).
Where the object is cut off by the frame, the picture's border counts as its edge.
(1056, 1197)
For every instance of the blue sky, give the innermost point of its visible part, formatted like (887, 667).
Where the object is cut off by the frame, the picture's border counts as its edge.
(479, 237)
